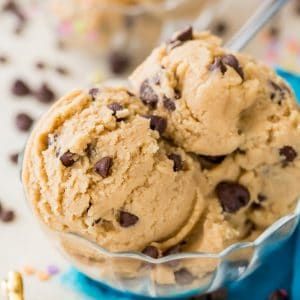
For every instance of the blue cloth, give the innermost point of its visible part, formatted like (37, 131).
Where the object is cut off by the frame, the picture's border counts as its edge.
(281, 270)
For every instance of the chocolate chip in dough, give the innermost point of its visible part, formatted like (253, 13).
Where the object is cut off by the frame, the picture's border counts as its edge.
(232, 61)
(169, 104)
(183, 276)
(114, 107)
(93, 92)
(148, 95)
(261, 197)
(103, 166)
(184, 35)
(68, 159)
(209, 162)
(23, 121)
(20, 88)
(45, 94)
(288, 153)
(158, 123)
(218, 65)
(127, 219)
(177, 162)
(232, 196)
(151, 251)
(280, 294)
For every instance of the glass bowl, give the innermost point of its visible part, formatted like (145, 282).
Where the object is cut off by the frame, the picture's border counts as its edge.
(124, 33)
(169, 276)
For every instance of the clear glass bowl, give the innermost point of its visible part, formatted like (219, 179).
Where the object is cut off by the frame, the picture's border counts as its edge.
(129, 31)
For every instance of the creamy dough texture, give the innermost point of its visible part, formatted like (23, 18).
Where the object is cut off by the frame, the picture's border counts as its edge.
(205, 155)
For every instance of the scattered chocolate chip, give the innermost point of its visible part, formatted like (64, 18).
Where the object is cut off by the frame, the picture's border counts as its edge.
(218, 65)
(45, 94)
(289, 153)
(20, 88)
(14, 158)
(89, 150)
(279, 294)
(68, 159)
(232, 196)
(118, 62)
(273, 32)
(177, 162)
(183, 276)
(185, 35)
(278, 91)
(3, 59)
(147, 94)
(40, 65)
(169, 104)
(12, 7)
(220, 28)
(256, 205)
(158, 123)
(232, 61)
(261, 197)
(177, 94)
(103, 166)
(127, 219)
(23, 121)
(7, 216)
(151, 251)
(220, 294)
(62, 70)
(93, 92)
(115, 107)
(209, 162)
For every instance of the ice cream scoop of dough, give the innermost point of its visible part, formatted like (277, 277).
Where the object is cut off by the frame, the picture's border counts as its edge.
(201, 88)
(96, 165)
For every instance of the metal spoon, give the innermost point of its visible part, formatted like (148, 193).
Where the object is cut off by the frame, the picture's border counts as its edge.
(262, 15)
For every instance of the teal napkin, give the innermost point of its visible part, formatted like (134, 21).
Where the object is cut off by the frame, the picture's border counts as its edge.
(281, 270)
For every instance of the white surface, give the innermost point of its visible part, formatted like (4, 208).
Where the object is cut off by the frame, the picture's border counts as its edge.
(22, 242)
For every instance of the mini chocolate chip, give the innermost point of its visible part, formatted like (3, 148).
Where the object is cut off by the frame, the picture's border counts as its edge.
(169, 104)
(45, 94)
(89, 150)
(158, 123)
(115, 107)
(183, 276)
(23, 121)
(147, 94)
(127, 219)
(68, 159)
(277, 91)
(177, 94)
(217, 65)
(209, 162)
(103, 166)
(220, 28)
(185, 35)
(62, 70)
(118, 62)
(93, 92)
(151, 251)
(20, 88)
(40, 65)
(177, 162)
(256, 205)
(232, 61)
(3, 59)
(279, 294)
(232, 196)
(7, 216)
(14, 158)
(289, 153)
(261, 197)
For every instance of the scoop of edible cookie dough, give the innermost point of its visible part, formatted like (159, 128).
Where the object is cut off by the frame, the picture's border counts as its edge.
(96, 165)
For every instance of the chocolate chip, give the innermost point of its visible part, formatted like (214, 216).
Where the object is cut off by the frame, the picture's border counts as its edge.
(218, 65)
(45, 94)
(118, 62)
(177, 162)
(220, 28)
(40, 65)
(20, 88)
(232, 196)
(7, 216)
(127, 219)
(261, 197)
(183, 276)
(177, 94)
(279, 294)
(23, 121)
(232, 61)
(103, 166)
(273, 32)
(209, 162)
(185, 35)
(12, 7)
(151, 251)
(147, 94)
(62, 70)
(68, 159)
(115, 107)
(89, 150)
(14, 158)
(289, 153)
(3, 59)
(169, 104)
(93, 92)
(278, 91)
(158, 123)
